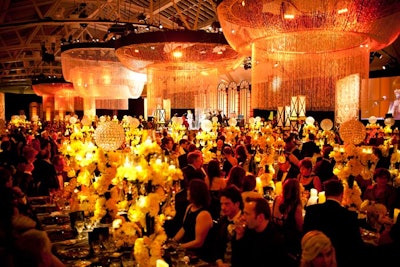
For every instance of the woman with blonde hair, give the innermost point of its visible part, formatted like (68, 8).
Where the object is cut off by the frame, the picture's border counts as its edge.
(317, 250)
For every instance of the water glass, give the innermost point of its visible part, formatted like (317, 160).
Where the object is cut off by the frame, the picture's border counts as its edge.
(127, 260)
(79, 226)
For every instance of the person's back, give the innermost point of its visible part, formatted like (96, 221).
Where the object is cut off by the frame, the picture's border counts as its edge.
(309, 148)
(287, 212)
(338, 223)
(324, 168)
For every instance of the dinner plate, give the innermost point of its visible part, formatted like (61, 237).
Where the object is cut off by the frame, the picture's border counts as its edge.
(68, 242)
(82, 263)
(73, 253)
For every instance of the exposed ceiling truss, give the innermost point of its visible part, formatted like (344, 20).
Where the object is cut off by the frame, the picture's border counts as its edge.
(29, 29)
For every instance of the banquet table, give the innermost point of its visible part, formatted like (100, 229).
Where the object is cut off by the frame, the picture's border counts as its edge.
(86, 250)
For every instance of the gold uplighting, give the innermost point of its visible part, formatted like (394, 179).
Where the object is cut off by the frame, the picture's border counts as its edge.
(322, 43)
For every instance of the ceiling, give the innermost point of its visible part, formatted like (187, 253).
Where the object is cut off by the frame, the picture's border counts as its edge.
(31, 32)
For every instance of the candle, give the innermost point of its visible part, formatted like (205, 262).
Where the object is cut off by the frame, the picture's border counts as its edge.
(396, 214)
(259, 186)
(161, 263)
(321, 197)
(278, 188)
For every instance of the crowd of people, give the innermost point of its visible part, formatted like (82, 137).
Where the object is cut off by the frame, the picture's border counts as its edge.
(252, 230)
(221, 215)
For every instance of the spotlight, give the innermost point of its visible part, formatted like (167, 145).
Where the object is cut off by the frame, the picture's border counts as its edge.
(142, 17)
(247, 66)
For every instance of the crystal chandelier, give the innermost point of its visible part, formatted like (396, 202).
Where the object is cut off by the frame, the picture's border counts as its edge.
(181, 66)
(302, 47)
(99, 77)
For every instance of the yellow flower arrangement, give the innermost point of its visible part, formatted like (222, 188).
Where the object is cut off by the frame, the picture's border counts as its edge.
(351, 196)
(96, 182)
(309, 128)
(326, 136)
(352, 160)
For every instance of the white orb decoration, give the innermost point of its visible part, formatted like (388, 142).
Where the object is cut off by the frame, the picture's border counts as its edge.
(258, 119)
(352, 132)
(206, 125)
(310, 120)
(134, 123)
(372, 119)
(103, 119)
(35, 118)
(232, 122)
(252, 120)
(326, 124)
(214, 119)
(389, 121)
(109, 135)
(179, 120)
(73, 120)
(174, 119)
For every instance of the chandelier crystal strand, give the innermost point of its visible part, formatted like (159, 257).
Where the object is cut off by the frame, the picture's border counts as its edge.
(305, 47)
(96, 73)
(181, 66)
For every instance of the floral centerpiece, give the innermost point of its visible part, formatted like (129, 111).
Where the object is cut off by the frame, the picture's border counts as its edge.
(353, 161)
(134, 180)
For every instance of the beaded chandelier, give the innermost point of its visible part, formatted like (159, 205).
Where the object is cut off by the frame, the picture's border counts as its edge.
(99, 77)
(181, 65)
(302, 47)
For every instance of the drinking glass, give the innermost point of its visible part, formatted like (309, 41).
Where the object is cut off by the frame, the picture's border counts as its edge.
(79, 226)
(127, 260)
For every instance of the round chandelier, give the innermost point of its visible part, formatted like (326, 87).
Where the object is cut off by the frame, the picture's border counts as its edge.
(181, 65)
(96, 72)
(302, 26)
(58, 95)
(311, 48)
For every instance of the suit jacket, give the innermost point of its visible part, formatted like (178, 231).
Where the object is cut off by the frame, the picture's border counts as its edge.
(189, 173)
(291, 173)
(182, 159)
(324, 169)
(308, 149)
(341, 226)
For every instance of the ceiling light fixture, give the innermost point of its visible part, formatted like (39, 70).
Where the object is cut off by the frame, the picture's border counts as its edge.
(174, 61)
(316, 38)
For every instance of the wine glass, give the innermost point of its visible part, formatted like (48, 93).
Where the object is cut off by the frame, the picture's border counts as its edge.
(89, 225)
(79, 226)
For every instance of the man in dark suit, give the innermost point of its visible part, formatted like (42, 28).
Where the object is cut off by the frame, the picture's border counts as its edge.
(324, 167)
(309, 148)
(194, 169)
(338, 223)
(287, 170)
(182, 158)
